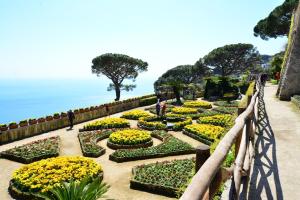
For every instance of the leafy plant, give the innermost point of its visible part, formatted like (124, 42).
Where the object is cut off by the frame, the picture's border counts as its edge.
(37, 150)
(135, 114)
(197, 104)
(223, 120)
(226, 110)
(226, 103)
(86, 189)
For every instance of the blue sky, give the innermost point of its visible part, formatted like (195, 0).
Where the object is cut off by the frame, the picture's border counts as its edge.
(57, 39)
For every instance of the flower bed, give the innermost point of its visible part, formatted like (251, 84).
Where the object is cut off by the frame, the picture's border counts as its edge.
(129, 138)
(135, 114)
(227, 104)
(166, 178)
(33, 151)
(152, 109)
(155, 123)
(42, 176)
(209, 113)
(88, 142)
(223, 120)
(205, 133)
(182, 110)
(197, 104)
(226, 110)
(107, 123)
(170, 146)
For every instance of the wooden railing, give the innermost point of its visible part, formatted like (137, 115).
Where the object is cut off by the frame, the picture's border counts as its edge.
(211, 174)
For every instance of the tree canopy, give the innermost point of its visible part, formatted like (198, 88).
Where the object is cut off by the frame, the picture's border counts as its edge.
(232, 59)
(278, 22)
(181, 76)
(118, 67)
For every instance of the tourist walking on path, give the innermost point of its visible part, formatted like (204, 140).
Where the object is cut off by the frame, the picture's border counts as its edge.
(71, 117)
(163, 108)
(157, 107)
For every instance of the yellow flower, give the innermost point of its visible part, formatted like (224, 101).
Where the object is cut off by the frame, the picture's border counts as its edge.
(197, 104)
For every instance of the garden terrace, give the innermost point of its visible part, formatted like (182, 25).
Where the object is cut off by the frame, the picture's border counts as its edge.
(33, 151)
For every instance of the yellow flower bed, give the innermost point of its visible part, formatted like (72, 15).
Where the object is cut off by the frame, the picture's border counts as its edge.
(182, 110)
(218, 120)
(43, 175)
(135, 114)
(197, 104)
(210, 131)
(112, 122)
(130, 137)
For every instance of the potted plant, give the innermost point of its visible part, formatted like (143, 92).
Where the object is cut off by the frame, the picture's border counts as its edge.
(23, 123)
(3, 127)
(32, 121)
(56, 116)
(49, 118)
(76, 111)
(41, 120)
(92, 108)
(13, 125)
(81, 110)
(63, 114)
(86, 110)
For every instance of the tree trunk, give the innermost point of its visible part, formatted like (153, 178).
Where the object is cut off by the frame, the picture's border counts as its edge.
(118, 92)
(177, 95)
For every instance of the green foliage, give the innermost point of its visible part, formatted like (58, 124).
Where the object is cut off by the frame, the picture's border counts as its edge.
(276, 64)
(37, 150)
(118, 67)
(278, 22)
(107, 123)
(170, 146)
(223, 120)
(233, 59)
(226, 103)
(226, 110)
(250, 91)
(87, 189)
(148, 101)
(219, 86)
(171, 175)
(180, 76)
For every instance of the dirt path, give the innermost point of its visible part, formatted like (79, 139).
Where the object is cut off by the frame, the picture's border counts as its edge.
(117, 175)
(275, 173)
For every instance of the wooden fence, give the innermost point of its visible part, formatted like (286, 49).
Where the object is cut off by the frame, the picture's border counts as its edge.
(211, 174)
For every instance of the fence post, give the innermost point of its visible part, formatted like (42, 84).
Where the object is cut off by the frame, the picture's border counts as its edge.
(202, 154)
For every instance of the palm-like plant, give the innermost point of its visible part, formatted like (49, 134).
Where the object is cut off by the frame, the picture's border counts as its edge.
(87, 189)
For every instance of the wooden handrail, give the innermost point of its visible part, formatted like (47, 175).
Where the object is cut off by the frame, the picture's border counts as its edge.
(200, 183)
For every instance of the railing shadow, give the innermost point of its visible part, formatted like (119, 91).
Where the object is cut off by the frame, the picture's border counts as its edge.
(265, 161)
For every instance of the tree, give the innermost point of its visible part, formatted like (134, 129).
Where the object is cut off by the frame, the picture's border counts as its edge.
(278, 22)
(180, 76)
(118, 67)
(232, 59)
(276, 63)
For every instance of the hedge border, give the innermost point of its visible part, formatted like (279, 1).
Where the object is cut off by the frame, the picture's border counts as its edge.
(123, 146)
(23, 160)
(158, 155)
(197, 137)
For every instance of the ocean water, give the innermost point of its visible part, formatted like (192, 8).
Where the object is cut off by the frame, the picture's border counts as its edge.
(24, 99)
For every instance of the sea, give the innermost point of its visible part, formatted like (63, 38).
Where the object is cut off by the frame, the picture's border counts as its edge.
(24, 99)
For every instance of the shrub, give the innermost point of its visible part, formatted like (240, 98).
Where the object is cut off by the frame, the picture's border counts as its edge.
(88, 142)
(182, 110)
(226, 103)
(205, 131)
(223, 120)
(197, 104)
(106, 123)
(130, 137)
(163, 177)
(170, 146)
(148, 101)
(226, 110)
(43, 175)
(209, 113)
(33, 151)
(135, 114)
(151, 123)
(250, 91)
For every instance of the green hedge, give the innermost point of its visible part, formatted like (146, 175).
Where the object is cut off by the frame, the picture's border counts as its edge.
(148, 101)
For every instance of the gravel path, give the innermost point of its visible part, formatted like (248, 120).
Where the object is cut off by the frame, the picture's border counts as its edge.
(117, 175)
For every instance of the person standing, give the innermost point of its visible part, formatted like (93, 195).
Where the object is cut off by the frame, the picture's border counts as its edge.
(157, 107)
(71, 117)
(163, 108)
